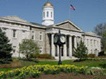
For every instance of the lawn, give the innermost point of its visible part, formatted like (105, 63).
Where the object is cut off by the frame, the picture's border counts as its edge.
(17, 63)
(89, 63)
(5, 69)
(21, 63)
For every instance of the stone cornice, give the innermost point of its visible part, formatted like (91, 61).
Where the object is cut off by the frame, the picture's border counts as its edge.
(35, 25)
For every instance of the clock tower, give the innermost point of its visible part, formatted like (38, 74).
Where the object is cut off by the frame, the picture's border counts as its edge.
(48, 14)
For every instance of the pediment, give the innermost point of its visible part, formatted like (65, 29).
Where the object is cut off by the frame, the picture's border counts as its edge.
(68, 25)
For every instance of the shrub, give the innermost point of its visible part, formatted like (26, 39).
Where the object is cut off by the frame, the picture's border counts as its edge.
(103, 65)
(101, 53)
(81, 51)
(45, 56)
(96, 71)
(28, 47)
(5, 61)
(5, 48)
(91, 55)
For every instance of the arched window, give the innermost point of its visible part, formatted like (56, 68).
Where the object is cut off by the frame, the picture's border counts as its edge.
(47, 14)
(51, 14)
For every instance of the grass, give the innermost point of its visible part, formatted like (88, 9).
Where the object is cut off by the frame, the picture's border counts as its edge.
(5, 69)
(90, 63)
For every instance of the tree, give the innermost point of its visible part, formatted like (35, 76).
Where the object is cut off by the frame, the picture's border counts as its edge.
(28, 47)
(100, 30)
(81, 51)
(5, 47)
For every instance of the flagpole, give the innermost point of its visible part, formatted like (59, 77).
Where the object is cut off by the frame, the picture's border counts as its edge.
(70, 7)
(69, 12)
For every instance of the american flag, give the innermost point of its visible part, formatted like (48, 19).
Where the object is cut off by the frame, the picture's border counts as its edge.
(72, 7)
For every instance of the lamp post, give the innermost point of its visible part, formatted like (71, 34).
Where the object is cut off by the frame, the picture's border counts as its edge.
(59, 39)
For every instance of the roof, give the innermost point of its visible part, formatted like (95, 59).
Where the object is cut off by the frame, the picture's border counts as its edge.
(48, 4)
(91, 34)
(68, 21)
(66, 25)
(18, 20)
(14, 18)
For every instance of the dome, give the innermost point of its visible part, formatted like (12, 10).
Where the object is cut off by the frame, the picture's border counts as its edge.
(48, 4)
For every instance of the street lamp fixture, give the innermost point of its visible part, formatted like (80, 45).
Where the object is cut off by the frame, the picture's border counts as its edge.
(59, 39)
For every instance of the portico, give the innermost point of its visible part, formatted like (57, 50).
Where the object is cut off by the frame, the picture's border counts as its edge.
(72, 38)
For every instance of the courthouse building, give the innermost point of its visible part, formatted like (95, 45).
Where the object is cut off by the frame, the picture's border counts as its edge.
(18, 29)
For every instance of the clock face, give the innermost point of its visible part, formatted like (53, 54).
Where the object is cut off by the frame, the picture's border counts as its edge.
(62, 39)
(55, 39)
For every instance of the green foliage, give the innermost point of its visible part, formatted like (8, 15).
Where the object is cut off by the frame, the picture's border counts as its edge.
(95, 71)
(103, 65)
(35, 70)
(91, 55)
(28, 47)
(81, 51)
(5, 48)
(104, 40)
(45, 56)
(100, 30)
(89, 62)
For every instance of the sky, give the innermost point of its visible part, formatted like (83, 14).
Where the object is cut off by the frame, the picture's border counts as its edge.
(87, 13)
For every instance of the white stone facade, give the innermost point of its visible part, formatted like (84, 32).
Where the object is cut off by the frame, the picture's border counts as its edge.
(92, 42)
(18, 29)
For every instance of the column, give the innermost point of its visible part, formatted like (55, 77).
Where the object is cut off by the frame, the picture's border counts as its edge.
(52, 45)
(75, 42)
(70, 46)
(65, 49)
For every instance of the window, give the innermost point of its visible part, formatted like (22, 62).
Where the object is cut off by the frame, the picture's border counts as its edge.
(32, 36)
(4, 28)
(14, 33)
(47, 14)
(91, 42)
(32, 31)
(23, 31)
(41, 50)
(14, 46)
(51, 14)
(91, 51)
(14, 49)
(41, 35)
